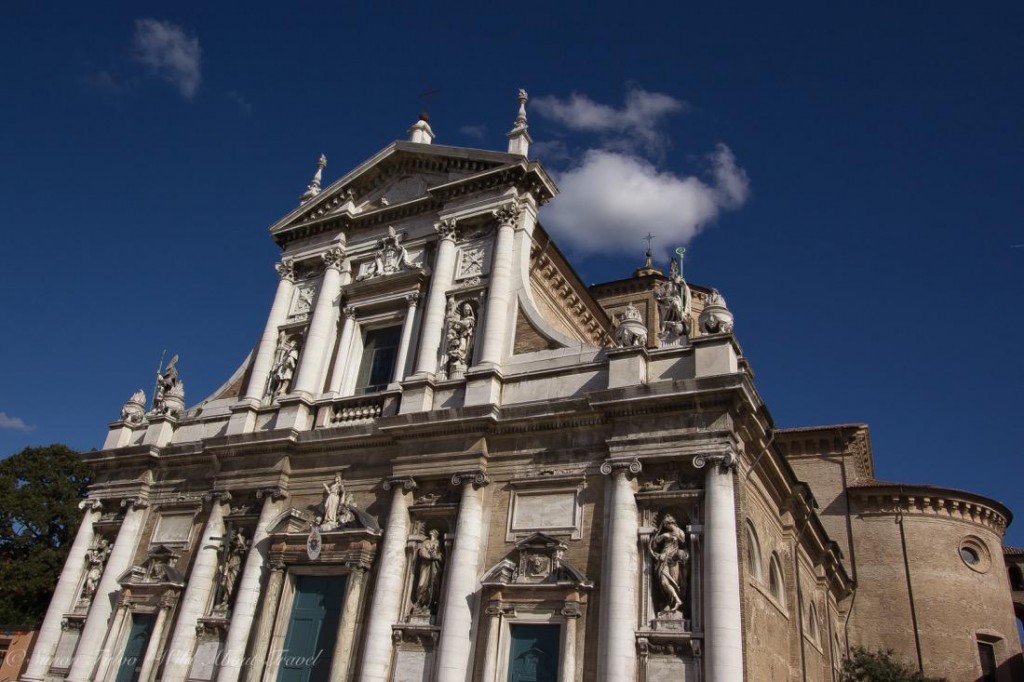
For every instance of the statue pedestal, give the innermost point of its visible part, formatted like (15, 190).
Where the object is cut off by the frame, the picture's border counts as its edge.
(672, 621)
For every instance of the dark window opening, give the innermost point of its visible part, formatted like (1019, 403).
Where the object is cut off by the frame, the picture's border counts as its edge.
(377, 366)
(987, 654)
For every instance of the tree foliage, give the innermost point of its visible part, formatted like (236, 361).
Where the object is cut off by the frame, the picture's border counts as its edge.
(879, 666)
(39, 493)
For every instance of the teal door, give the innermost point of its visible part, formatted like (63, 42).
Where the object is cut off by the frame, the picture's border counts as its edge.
(138, 637)
(312, 629)
(534, 653)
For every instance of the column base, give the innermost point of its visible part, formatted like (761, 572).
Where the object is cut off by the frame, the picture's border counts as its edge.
(627, 366)
(483, 385)
(417, 394)
(296, 412)
(243, 417)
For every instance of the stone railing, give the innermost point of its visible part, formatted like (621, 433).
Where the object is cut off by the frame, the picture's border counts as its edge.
(360, 409)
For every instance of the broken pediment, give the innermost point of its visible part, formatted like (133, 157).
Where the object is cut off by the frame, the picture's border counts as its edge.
(536, 561)
(157, 569)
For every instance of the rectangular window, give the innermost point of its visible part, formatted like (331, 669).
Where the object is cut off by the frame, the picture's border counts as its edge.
(377, 366)
(987, 654)
(533, 653)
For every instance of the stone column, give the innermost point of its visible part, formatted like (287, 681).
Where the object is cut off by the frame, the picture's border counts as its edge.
(723, 635)
(201, 582)
(617, 634)
(151, 658)
(341, 661)
(494, 612)
(499, 292)
(68, 585)
(113, 636)
(265, 629)
(385, 609)
(322, 324)
(571, 612)
(342, 358)
(433, 313)
(247, 594)
(263, 362)
(403, 347)
(90, 646)
(456, 642)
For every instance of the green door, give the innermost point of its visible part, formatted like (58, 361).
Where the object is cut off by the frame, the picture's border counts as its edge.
(534, 653)
(312, 629)
(135, 648)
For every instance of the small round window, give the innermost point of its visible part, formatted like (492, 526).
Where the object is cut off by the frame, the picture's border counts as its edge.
(975, 554)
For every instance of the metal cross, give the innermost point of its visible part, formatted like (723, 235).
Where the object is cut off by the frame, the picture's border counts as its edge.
(428, 95)
(648, 239)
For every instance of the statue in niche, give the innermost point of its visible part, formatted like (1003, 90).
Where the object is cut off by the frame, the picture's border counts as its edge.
(336, 505)
(95, 559)
(286, 359)
(391, 257)
(674, 303)
(428, 575)
(231, 567)
(461, 328)
(671, 566)
(169, 397)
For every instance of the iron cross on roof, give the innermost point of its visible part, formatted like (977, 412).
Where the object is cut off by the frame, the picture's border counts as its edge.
(428, 95)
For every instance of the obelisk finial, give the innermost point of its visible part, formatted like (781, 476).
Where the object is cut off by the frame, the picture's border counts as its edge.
(518, 138)
(314, 187)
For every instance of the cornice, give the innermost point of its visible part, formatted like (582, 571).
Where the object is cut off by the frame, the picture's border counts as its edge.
(923, 500)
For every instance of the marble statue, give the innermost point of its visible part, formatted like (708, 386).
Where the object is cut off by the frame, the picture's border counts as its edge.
(674, 304)
(231, 567)
(461, 329)
(391, 257)
(671, 565)
(428, 574)
(95, 558)
(336, 505)
(133, 412)
(286, 359)
(631, 330)
(169, 397)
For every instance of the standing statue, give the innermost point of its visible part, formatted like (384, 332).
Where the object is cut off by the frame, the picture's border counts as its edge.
(231, 567)
(286, 359)
(428, 575)
(461, 328)
(674, 303)
(391, 257)
(169, 396)
(95, 558)
(671, 564)
(336, 505)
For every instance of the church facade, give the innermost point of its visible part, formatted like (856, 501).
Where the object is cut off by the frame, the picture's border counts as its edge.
(448, 459)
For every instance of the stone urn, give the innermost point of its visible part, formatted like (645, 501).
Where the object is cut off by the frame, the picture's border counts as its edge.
(716, 318)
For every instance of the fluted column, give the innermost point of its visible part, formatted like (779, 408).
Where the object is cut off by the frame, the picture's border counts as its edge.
(321, 326)
(723, 634)
(386, 605)
(247, 596)
(201, 583)
(433, 313)
(264, 360)
(499, 292)
(617, 635)
(261, 642)
(456, 642)
(403, 346)
(90, 645)
(64, 595)
(342, 358)
(151, 657)
(341, 661)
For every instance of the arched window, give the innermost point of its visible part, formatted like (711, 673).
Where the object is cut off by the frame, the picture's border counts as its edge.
(775, 584)
(753, 553)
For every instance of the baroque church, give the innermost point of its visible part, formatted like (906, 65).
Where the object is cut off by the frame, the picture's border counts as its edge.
(447, 459)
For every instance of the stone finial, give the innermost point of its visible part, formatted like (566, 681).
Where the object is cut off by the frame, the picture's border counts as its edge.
(715, 318)
(631, 330)
(518, 138)
(421, 131)
(133, 412)
(313, 189)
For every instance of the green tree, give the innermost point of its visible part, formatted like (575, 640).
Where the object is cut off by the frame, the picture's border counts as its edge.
(879, 666)
(39, 493)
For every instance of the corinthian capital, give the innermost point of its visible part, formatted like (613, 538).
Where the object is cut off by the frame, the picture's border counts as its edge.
(508, 214)
(724, 461)
(447, 229)
(286, 269)
(333, 258)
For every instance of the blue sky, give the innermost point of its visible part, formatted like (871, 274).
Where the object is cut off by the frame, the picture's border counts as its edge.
(849, 178)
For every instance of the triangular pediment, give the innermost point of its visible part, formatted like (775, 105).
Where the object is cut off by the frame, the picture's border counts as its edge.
(401, 174)
(537, 561)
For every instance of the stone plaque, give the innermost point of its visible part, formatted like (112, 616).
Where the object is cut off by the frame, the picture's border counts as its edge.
(173, 529)
(545, 511)
(204, 665)
(66, 646)
(412, 665)
(660, 667)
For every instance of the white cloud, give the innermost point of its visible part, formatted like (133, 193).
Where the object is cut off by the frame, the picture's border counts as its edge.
(477, 131)
(638, 121)
(168, 51)
(14, 423)
(612, 198)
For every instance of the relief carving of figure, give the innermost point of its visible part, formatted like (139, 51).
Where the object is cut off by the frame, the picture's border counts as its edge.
(336, 505)
(461, 328)
(95, 558)
(671, 565)
(391, 257)
(286, 359)
(428, 574)
(231, 567)
(674, 303)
